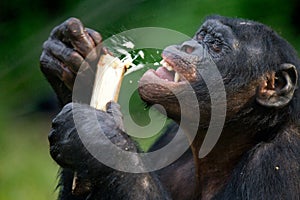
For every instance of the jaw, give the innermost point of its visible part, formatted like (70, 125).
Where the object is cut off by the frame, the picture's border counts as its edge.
(170, 83)
(154, 90)
(179, 100)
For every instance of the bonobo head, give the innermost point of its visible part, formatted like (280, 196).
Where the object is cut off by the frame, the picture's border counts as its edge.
(259, 70)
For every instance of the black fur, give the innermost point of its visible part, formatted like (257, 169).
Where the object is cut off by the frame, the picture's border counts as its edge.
(266, 164)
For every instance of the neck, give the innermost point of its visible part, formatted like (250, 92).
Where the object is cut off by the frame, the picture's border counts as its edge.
(213, 170)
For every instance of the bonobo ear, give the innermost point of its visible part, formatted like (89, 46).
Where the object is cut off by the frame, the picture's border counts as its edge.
(278, 89)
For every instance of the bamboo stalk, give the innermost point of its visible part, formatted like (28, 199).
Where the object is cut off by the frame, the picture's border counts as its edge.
(107, 84)
(108, 81)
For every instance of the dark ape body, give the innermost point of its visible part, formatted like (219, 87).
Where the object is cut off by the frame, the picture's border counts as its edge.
(258, 153)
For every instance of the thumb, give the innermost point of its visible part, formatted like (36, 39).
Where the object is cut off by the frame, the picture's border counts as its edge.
(114, 109)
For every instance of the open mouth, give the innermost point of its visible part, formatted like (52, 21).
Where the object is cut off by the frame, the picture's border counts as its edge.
(167, 72)
(169, 79)
(173, 71)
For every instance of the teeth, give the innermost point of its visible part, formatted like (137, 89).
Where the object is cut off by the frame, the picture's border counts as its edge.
(170, 68)
(176, 77)
(162, 62)
(166, 65)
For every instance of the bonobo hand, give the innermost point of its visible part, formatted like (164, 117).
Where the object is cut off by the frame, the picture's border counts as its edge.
(69, 47)
(66, 147)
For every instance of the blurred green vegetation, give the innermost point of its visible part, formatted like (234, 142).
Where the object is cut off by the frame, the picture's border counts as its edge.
(26, 170)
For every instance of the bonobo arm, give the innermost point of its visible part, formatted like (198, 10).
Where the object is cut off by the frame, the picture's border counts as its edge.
(68, 150)
(71, 47)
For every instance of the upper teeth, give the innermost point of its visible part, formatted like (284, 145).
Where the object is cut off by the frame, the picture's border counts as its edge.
(166, 65)
(170, 68)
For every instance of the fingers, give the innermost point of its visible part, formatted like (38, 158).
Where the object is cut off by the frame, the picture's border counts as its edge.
(97, 39)
(95, 36)
(66, 55)
(74, 35)
(70, 47)
(51, 66)
(79, 37)
(115, 110)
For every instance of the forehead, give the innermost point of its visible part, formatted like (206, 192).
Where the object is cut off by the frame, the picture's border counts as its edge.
(231, 21)
(235, 28)
(216, 26)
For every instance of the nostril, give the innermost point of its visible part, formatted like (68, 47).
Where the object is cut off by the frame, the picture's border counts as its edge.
(187, 49)
(189, 46)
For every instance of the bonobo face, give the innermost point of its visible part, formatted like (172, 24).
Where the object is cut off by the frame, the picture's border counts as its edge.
(243, 52)
(170, 82)
(214, 43)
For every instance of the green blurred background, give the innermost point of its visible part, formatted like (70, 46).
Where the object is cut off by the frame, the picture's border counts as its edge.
(28, 103)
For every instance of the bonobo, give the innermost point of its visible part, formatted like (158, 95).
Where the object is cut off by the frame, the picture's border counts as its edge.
(258, 153)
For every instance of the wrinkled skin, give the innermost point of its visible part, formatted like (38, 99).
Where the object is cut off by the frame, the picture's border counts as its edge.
(258, 153)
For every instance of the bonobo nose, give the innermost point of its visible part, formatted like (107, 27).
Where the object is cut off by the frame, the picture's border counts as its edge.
(189, 46)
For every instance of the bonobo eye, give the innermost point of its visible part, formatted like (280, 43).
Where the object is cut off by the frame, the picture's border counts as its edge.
(216, 47)
(211, 39)
(201, 35)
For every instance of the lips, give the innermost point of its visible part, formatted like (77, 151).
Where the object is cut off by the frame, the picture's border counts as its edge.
(163, 83)
(167, 72)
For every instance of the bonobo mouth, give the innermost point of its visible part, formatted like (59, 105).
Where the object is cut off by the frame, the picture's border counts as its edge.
(167, 72)
(169, 79)
(173, 70)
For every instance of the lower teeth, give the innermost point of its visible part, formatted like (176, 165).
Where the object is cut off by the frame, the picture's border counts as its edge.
(176, 77)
